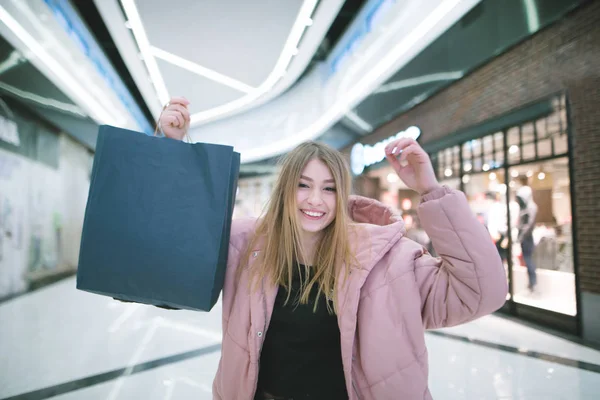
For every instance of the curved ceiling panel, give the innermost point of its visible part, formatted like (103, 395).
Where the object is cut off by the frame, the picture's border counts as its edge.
(385, 36)
(241, 40)
(202, 92)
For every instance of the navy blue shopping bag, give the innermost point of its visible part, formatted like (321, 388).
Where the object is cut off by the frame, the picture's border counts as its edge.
(158, 219)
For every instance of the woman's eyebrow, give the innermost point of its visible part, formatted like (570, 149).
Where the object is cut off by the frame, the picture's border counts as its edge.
(311, 180)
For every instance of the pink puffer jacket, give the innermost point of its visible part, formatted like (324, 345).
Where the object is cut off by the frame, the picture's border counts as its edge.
(386, 304)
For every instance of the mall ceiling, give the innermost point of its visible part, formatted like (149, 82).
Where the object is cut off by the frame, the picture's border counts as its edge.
(22, 82)
(488, 30)
(246, 53)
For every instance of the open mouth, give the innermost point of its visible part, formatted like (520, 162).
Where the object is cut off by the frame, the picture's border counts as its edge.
(313, 215)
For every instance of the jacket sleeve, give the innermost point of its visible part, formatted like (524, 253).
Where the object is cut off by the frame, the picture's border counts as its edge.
(467, 280)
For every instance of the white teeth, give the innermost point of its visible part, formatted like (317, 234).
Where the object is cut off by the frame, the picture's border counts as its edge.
(313, 214)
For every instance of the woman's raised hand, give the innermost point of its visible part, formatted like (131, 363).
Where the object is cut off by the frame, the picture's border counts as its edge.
(412, 164)
(175, 118)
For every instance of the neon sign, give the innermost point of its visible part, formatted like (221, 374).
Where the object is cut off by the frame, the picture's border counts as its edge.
(362, 156)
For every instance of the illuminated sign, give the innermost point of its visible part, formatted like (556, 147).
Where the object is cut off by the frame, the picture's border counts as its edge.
(9, 132)
(362, 156)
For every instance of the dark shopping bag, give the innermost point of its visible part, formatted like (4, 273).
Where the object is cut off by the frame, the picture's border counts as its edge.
(158, 219)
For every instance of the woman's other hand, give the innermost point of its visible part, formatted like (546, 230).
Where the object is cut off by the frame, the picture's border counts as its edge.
(175, 118)
(412, 164)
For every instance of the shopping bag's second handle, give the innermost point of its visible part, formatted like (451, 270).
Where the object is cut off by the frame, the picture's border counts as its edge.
(159, 127)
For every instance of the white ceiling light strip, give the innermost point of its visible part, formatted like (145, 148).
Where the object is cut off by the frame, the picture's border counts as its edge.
(361, 123)
(200, 70)
(419, 80)
(533, 18)
(44, 101)
(96, 110)
(15, 58)
(303, 20)
(139, 32)
(356, 92)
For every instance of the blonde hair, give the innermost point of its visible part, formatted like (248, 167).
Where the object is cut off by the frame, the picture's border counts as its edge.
(280, 229)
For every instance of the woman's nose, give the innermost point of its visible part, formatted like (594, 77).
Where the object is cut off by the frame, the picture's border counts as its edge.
(315, 198)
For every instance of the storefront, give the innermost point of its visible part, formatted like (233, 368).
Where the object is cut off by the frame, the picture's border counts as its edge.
(524, 121)
(492, 163)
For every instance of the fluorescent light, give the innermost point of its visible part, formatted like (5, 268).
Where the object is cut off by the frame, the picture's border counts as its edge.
(358, 90)
(97, 110)
(493, 176)
(419, 80)
(139, 32)
(513, 149)
(448, 172)
(541, 176)
(44, 101)
(392, 177)
(533, 19)
(514, 173)
(466, 178)
(361, 123)
(468, 167)
(485, 167)
(278, 71)
(200, 70)
(15, 58)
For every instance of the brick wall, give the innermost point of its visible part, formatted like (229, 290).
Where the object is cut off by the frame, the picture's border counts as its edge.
(563, 57)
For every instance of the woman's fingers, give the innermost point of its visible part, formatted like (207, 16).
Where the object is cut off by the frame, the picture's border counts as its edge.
(179, 100)
(394, 162)
(180, 109)
(397, 146)
(174, 118)
(412, 149)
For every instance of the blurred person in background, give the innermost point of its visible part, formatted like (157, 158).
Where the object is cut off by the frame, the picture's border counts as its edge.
(496, 223)
(526, 223)
(416, 232)
(325, 297)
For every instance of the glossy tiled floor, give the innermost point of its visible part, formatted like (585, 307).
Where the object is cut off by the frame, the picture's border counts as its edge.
(71, 345)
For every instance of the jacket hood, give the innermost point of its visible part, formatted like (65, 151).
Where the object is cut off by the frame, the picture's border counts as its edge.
(380, 229)
(370, 211)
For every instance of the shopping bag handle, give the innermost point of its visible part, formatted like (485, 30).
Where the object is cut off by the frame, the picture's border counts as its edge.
(159, 127)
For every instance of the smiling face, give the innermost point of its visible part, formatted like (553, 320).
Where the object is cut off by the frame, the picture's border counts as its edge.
(316, 197)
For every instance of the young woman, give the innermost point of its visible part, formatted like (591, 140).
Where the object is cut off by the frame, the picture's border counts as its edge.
(325, 298)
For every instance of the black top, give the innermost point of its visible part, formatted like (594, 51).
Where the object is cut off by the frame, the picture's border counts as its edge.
(301, 356)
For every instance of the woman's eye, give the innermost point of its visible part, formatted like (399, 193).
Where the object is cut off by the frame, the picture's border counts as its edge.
(303, 185)
(330, 189)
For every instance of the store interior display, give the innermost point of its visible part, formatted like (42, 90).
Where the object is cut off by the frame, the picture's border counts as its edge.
(534, 238)
(517, 180)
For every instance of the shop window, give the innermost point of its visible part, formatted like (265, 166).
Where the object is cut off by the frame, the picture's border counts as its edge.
(456, 161)
(486, 193)
(544, 148)
(527, 133)
(476, 161)
(514, 145)
(492, 193)
(499, 149)
(561, 145)
(542, 259)
(448, 163)
(528, 151)
(467, 158)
